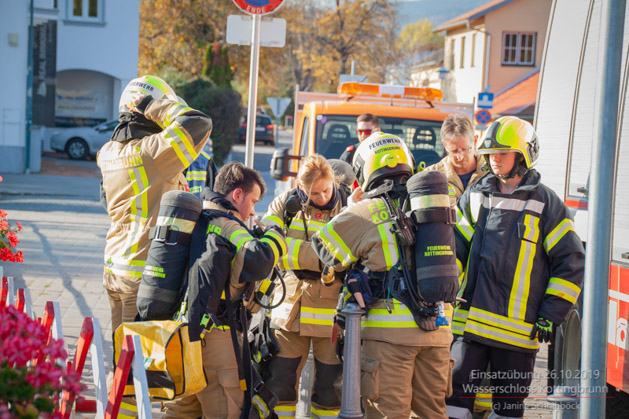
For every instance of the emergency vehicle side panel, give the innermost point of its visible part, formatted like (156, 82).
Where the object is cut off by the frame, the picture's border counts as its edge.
(557, 90)
(565, 124)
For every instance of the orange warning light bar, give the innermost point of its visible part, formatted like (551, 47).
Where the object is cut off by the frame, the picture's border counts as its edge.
(354, 89)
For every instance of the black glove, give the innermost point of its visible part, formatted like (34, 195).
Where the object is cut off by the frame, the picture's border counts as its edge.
(543, 328)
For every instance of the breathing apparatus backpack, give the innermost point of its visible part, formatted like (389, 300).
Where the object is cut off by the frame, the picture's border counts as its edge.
(188, 269)
(427, 231)
(163, 282)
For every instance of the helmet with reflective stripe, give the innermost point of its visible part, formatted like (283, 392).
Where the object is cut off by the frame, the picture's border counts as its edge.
(511, 133)
(381, 156)
(145, 85)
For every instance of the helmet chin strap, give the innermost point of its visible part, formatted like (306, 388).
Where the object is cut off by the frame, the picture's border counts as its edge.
(518, 168)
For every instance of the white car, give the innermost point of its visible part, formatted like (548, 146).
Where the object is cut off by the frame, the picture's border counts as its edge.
(82, 142)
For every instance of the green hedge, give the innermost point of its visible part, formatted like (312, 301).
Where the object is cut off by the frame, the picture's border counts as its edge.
(222, 104)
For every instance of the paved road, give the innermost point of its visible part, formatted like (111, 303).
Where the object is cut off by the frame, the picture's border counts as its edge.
(63, 243)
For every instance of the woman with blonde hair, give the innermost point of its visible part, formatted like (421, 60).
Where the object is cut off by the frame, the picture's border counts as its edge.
(307, 314)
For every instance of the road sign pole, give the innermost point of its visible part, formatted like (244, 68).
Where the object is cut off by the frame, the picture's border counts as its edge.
(253, 90)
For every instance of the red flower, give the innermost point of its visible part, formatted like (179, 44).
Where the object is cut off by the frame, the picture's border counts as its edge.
(19, 226)
(3, 214)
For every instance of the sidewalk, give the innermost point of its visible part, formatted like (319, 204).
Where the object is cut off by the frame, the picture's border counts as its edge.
(63, 241)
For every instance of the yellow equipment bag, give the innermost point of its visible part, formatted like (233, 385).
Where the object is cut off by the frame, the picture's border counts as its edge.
(174, 367)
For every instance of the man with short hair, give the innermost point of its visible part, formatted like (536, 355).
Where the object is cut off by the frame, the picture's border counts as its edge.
(461, 165)
(366, 124)
(236, 191)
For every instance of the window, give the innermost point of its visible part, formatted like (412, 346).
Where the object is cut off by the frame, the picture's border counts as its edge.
(518, 48)
(462, 63)
(303, 150)
(473, 53)
(86, 10)
(450, 62)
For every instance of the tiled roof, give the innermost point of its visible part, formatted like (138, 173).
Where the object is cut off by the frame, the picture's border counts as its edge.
(519, 98)
(472, 14)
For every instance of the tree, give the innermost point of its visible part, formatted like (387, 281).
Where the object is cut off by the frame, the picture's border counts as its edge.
(216, 65)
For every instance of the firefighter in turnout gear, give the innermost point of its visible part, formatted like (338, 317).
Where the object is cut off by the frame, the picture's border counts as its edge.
(202, 171)
(237, 189)
(523, 271)
(405, 366)
(306, 316)
(156, 139)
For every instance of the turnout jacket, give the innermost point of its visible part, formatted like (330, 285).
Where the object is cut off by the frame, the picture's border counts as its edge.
(455, 186)
(522, 259)
(362, 233)
(309, 306)
(202, 171)
(250, 259)
(136, 173)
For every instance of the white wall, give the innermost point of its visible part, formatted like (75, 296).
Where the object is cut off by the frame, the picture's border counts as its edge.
(13, 19)
(466, 77)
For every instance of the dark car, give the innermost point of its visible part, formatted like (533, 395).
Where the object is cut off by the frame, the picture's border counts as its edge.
(264, 130)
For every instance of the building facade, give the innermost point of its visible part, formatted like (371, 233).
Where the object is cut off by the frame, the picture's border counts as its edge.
(493, 46)
(84, 53)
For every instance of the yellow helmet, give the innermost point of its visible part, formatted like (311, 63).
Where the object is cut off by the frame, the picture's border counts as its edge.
(145, 85)
(511, 133)
(379, 157)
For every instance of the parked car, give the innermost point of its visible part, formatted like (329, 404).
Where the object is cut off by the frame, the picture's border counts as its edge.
(264, 129)
(81, 142)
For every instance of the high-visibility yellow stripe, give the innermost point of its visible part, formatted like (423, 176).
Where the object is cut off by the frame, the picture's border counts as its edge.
(185, 141)
(463, 225)
(273, 246)
(519, 296)
(293, 255)
(273, 220)
(136, 191)
(145, 202)
(516, 326)
(239, 237)
(285, 412)
(183, 158)
(335, 246)
(430, 201)
(557, 233)
(281, 240)
(389, 244)
(499, 335)
(463, 281)
(563, 289)
(323, 413)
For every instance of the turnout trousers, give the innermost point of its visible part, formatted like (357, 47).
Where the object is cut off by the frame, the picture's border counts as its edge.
(398, 379)
(510, 378)
(281, 375)
(222, 398)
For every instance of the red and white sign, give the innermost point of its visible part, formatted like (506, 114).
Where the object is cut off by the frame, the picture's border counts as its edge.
(617, 338)
(258, 7)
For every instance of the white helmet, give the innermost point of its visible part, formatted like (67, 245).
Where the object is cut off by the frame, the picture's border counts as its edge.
(145, 85)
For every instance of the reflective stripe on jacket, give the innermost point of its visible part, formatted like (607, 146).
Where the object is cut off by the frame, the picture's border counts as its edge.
(136, 173)
(522, 259)
(255, 258)
(309, 306)
(363, 233)
(199, 171)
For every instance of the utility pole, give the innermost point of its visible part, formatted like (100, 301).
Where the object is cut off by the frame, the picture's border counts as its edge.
(29, 93)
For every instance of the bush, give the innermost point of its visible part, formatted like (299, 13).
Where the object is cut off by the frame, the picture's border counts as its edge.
(222, 104)
(33, 372)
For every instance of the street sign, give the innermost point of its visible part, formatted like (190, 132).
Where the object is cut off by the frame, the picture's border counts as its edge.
(485, 100)
(483, 117)
(352, 77)
(258, 7)
(278, 105)
(272, 31)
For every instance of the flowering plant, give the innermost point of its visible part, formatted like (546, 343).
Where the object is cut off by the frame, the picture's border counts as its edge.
(33, 372)
(8, 239)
